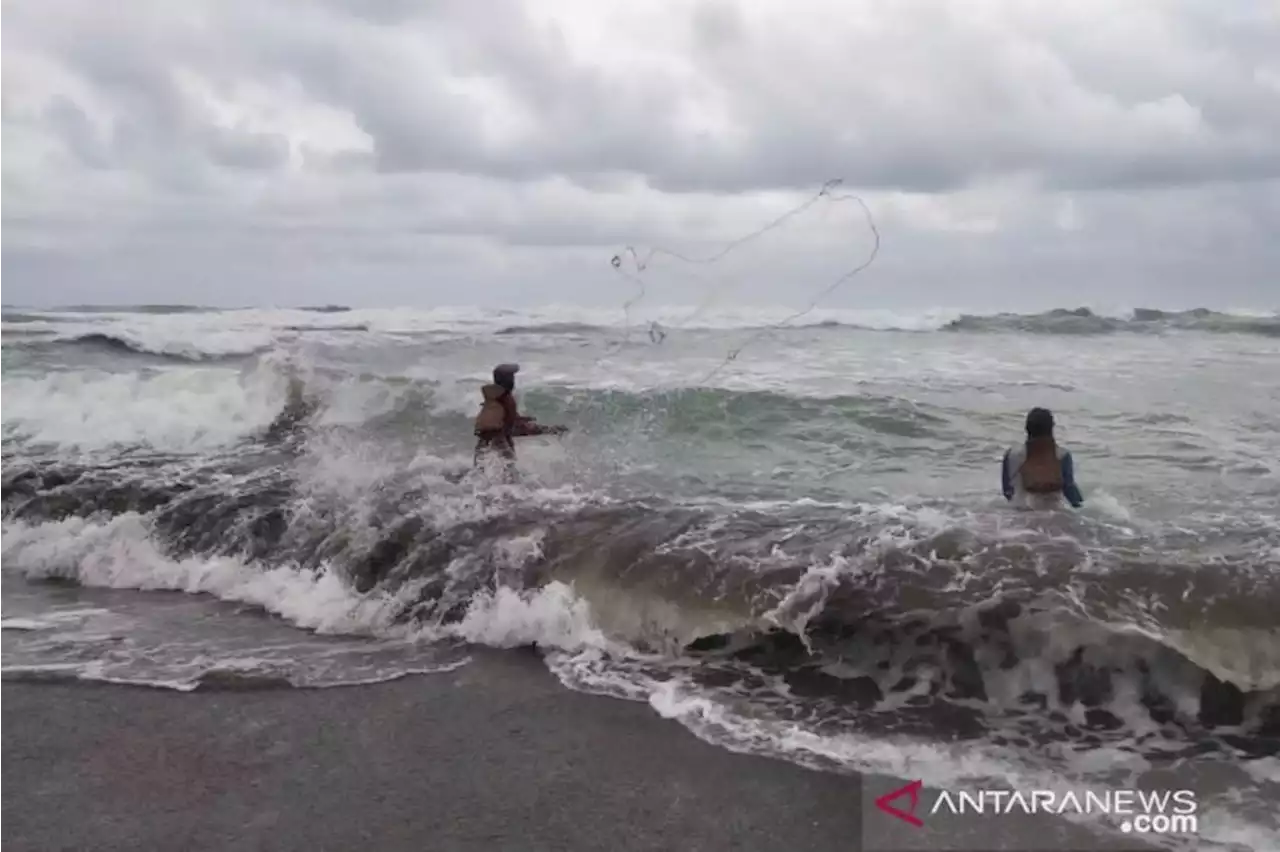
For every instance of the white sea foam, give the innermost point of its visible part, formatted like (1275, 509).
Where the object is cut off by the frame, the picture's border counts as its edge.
(175, 409)
(119, 554)
(721, 721)
(146, 643)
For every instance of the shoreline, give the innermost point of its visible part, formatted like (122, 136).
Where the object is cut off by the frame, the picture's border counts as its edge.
(496, 755)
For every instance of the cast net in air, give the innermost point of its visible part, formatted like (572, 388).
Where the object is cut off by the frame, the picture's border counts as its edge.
(816, 232)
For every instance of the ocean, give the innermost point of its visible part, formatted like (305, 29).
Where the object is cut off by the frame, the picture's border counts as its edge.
(788, 539)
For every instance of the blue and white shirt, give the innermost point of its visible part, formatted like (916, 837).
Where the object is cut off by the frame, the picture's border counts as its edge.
(1011, 480)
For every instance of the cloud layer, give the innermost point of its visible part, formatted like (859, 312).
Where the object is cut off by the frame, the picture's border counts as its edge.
(1016, 154)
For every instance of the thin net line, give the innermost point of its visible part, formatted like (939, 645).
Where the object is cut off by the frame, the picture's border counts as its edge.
(656, 332)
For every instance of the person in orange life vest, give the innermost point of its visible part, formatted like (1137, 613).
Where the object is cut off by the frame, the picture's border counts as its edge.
(500, 422)
(1038, 473)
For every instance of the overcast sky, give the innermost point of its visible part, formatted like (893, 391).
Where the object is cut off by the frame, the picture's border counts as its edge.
(392, 152)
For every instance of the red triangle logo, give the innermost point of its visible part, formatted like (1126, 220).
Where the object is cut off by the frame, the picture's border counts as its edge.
(909, 815)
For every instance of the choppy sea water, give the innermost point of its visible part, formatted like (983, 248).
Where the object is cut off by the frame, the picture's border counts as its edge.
(799, 552)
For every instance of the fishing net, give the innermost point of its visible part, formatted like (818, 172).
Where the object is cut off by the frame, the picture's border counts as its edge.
(802, 230)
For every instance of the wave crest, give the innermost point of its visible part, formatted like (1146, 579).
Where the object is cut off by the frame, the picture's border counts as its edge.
(876, 605)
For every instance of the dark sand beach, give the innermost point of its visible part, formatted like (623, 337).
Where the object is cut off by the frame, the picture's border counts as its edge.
(495, 756)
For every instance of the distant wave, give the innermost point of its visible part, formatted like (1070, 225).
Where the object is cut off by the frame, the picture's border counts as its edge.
(1056, 321)
(169, 350)
(325, 309)
(43, 313)
(20, 317)
(58, 313)
(135, 309)
(129, 344)
(358, 326)
(555, 328)
(1085, 321)
(214, 338)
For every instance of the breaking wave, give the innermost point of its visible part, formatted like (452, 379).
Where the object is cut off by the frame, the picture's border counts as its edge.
(170, 349)
(916, 616)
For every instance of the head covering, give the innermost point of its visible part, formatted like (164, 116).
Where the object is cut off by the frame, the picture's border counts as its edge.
(505, 375)
(1039, 423)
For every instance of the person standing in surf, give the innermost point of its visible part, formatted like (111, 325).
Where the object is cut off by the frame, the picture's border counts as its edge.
(499, 422)
(1039, 473)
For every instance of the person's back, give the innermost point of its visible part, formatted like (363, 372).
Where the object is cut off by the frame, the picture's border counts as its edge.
(499, 421)
(498, 413)
(1038, 473)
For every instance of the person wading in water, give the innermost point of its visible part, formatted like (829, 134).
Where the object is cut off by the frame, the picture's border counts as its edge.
(499, 422)
(1039, 473)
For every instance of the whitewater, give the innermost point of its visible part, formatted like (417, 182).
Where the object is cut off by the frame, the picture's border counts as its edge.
(805, 556)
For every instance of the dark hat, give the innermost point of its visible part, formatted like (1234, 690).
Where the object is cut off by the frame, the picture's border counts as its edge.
(505, 375)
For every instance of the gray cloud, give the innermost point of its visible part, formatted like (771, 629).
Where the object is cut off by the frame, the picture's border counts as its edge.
(1100, 149)
(913, 102)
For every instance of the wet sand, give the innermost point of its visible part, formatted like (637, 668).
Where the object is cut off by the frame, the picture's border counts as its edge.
(495, 756)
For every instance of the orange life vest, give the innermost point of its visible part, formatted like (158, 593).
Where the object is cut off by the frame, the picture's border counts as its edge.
(493, 411)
